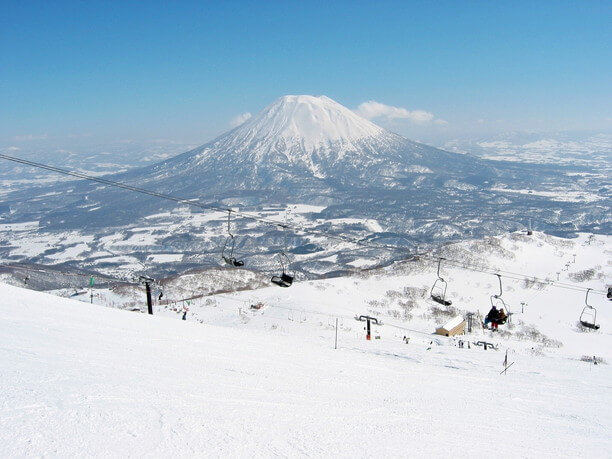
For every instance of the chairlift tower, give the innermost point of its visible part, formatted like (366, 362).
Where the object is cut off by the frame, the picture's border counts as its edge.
(147, 281)
(369, 319)
(470, 321)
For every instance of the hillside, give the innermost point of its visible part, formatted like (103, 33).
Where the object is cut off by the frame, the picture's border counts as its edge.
(269, 382)
(543, 315)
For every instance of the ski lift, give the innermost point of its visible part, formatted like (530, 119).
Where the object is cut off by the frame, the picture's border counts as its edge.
(588, 318)
(438, 290)
(285, 279)
(230, 241)
(498, 302)
(363, 318)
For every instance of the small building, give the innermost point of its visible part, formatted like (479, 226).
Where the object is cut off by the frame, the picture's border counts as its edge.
(455, 326)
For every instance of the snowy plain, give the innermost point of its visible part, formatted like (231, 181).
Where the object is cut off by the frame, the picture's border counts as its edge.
(83, 380)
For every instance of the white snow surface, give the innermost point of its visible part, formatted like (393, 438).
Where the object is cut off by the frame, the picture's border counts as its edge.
(303, 129)
(452, 323)
(313, 120)
(81, 380)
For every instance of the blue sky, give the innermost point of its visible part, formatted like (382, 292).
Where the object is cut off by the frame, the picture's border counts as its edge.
(183, 70)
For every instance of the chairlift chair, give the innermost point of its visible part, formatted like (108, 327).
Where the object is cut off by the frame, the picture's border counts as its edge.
(588, 317)
(230, 241)
(438, 290)
(285, 279)
(499, 303)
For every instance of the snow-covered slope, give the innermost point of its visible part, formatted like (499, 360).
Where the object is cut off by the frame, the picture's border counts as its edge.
(306, 120)
(544, 316)
(306, 136)
(81, 380)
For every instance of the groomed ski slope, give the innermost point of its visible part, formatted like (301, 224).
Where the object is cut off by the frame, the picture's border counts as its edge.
(79, 381)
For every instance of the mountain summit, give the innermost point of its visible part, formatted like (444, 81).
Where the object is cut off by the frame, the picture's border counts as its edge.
(307, 132)
(300, 148)
(309, 120)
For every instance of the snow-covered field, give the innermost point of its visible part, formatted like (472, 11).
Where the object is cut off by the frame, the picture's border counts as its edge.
(559, 195)
(561, 148)
(84, 380)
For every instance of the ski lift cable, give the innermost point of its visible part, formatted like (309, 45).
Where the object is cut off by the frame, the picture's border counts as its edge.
(285, 225)
(191, 202)
(511, 275)
(50, 270)
(196, 203)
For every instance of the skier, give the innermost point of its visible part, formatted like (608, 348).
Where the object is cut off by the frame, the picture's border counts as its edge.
(185, 314)
(501, 316)
(491, 318)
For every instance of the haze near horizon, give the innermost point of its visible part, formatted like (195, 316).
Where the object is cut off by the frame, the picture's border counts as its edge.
(80, 74)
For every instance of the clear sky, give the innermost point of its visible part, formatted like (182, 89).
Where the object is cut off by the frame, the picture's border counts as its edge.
(183, 70)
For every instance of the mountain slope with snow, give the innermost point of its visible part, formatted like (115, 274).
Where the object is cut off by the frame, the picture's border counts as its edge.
(75, 376)
(305, 139)
(300, 151)
(544, 316)
(308, 120)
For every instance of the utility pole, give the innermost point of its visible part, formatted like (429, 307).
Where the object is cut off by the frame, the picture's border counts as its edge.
(147, 281)
(336, 343)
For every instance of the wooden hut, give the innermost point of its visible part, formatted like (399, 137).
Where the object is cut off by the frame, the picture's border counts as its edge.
(455, 326)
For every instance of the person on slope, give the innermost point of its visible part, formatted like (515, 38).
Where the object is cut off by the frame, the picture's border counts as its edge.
(491, 318)
(501, 316)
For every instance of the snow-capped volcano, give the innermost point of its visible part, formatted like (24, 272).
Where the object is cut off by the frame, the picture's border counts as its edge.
(300, 148)
(312, 133)
(308, 120)
(312, 150)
